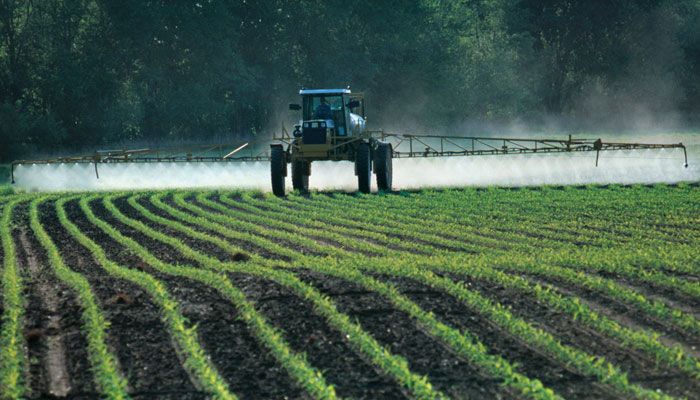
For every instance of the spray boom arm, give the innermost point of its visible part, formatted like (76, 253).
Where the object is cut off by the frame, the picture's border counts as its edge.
(404, 146)
(446, 146)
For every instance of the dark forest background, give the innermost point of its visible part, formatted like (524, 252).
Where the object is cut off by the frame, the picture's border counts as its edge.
(81, 73)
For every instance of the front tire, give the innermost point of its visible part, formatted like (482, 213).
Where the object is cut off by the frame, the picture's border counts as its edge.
(278, 169)
(363, 167)
(383, 166)
(300, 176)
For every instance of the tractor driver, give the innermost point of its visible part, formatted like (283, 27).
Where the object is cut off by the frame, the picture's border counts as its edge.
(323, 110)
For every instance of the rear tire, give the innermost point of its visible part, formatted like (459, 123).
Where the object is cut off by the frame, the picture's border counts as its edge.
(300, 177)
(383, 167)
(363, 167)
(278, 169)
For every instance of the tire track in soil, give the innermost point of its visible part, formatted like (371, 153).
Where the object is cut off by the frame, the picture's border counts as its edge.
(621, 312)
(53, 329)
(640, 368)
(55, 375)
(211, 249)
(249, 369)
(396, 331)
(136, 334)
(327, 350)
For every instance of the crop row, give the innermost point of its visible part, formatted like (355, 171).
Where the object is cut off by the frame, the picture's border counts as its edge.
(606, 373)
(11, 359)
(391, 364)
(621, 210)
(606, 262)
(465, 223)
(484, 215)
(460, 343)
(360, 240)
(546, 266)
(659, 351)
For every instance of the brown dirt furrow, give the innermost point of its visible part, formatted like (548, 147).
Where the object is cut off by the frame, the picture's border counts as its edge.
(640, 367)
(325, 348)
(137, 334)
(56, 366)
(56, 343)
(396, 330)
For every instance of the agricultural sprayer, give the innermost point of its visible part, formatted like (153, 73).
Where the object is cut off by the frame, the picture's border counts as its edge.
(332, 128)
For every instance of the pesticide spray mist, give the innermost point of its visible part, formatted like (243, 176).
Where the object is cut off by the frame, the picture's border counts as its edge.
(647, 166)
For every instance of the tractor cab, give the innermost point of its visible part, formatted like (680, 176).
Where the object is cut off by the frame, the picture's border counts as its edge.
(329, 115)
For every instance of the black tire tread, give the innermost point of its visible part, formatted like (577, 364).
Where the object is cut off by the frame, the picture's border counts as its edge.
(277, 166)
(364, 170)
(383, 166)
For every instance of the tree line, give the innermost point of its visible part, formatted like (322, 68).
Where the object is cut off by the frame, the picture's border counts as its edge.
(85, 73)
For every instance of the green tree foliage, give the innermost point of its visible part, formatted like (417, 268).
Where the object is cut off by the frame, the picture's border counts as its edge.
(84, 73)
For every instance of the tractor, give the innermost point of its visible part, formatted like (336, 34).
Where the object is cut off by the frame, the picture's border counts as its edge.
(332, 128)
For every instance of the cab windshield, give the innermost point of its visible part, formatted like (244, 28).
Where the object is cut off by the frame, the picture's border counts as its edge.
(323, 107)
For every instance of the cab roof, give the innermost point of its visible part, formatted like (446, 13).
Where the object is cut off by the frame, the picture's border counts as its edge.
(324, 91)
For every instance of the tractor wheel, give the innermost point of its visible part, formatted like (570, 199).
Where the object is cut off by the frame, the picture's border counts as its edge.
(300, 176)
(363, 167)
(382, 166)
(278, 169)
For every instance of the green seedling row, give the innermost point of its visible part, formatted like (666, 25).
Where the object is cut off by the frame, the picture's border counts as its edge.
(646, 341)
(308, 378)
(546, 265)
(465, 345)
(585, 363)
(548, 268)
(104, 363)
(610, 374)
(185, 336)
(11, 355)
(392, 365)
(559, 272)
(581, 362)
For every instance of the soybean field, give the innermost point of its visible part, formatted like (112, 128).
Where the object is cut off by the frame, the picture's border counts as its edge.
(580, 292)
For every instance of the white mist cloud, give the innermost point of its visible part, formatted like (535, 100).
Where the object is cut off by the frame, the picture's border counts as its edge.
(646, 166)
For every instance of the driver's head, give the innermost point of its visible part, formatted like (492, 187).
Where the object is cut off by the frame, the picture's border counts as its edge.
(323, 100)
